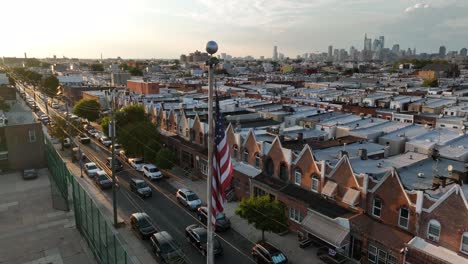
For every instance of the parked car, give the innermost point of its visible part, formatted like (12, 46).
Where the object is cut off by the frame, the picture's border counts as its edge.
(105, 141)
(141, 188)
(123, 155)
(117, 148)
(84, 139)
(66, 142)
(102, 180)
(188, 198)
(151, 171)
(197, 236)
(136, 163)
(118, 165)
(264, 252)
(97, 134)
(91, 169)
(43, 118)
(141, 224)
(55, 106)
(29, 174)
(76, 155)
(222, 222)
(166, 248)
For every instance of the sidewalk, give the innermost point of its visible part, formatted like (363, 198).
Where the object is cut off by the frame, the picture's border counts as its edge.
(135, 247)
(287, 243)
(31, 230)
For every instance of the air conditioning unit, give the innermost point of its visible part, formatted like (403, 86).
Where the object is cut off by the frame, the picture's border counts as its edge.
(433, 238)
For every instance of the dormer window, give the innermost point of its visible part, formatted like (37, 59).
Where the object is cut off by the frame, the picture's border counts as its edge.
(433, 230)
(235, 152)
(257, 160)
(315, 183)
(297, 177)
(245, 157)
(403, 219)
(376, 207)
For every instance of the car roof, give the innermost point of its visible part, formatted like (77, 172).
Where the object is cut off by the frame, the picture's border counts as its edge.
(269, 247)
(150, 166)
(137, 180)
(101, 172)
(140, 215)
(90, 163)
(164, 237)
(185, 190)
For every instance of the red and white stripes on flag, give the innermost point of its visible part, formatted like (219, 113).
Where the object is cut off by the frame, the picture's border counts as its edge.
(222, 167)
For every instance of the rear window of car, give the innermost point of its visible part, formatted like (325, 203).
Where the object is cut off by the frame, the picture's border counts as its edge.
(192, 197)
(92, 167)
(278, 257)
(141, 185)
(102, 177)
(153, 170)
(138, 161)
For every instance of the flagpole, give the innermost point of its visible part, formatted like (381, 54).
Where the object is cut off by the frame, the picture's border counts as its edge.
(211, 48)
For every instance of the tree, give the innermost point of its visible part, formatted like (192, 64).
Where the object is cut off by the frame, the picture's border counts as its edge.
(165, 159)
(264, 213)
(135, 71)
(50, 86)
(97, 67)
(87, 108)
(60, 128)
(135, 138)
(105, 125)
(431, 83)
(11, 80)
(4, 106)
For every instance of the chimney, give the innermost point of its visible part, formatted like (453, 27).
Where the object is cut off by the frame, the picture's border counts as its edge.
(300, 136)
(362, 153)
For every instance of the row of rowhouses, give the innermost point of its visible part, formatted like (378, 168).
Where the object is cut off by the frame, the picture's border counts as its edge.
(356, 216)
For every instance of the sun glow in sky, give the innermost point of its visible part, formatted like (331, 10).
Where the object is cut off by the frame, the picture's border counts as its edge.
(168, 28)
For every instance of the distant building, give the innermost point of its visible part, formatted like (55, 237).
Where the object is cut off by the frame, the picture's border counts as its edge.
(442, 51)
(120, 78)
(463, 52)
(3, 79)
(142, 87)
(275, 53)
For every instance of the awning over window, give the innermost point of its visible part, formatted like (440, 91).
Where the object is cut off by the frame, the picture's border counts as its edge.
(436, 251)
(351, 197)
(330, 189)
(325, 229)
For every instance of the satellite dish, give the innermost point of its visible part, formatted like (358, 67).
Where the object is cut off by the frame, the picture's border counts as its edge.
(450, 168)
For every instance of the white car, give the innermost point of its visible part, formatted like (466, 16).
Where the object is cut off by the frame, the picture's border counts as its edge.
(55, 106)
(105, 141)
(188, 198)
(136, 163)
(151, 171)
(91, 169)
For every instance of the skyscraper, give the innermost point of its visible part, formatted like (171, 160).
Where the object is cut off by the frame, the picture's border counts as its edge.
(330, 52)
(463, 52)
(442, 51)
(275, 53)
(396, 48)
(382, 42)
(367, 43)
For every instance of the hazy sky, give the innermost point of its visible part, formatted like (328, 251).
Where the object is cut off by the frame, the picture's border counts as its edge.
(168, 28)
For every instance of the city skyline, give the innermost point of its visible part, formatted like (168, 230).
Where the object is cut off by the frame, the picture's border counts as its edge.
(160, 29)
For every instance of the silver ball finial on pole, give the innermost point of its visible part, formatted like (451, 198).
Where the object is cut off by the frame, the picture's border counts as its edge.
(211, 47)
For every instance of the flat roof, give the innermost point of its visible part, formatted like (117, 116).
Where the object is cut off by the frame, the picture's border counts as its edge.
(440, 136)
(333, 153)
(339, 120)
(19, 114)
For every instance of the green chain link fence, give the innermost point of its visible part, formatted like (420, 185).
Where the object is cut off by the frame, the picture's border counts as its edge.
(90, 221)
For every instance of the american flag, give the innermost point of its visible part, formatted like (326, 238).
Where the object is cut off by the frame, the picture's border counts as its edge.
(222, 167)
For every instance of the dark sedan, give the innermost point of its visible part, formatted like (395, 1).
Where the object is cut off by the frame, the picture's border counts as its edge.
(142, 225)
(198, 237)
(222, 222)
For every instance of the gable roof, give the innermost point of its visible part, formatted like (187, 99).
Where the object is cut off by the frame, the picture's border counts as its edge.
(388, 176)
(307, 154)
(287, 153)
(455, 189)
(342, 171)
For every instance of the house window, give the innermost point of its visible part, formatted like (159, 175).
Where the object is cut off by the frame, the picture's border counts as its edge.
(245, 157)
(382, 257)
(235, 152)
(372, 254)
(433, 230)
(32, 136)
(200, 136)
(203, 165)
(377, 207)
(295, 215)
(464, 243)
(297, 177)
(283, 173)
(257, 160)
(315, 183)
(186, 132)
(403, 220)
(391, 259)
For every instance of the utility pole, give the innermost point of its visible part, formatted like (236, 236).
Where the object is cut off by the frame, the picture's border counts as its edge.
(69, 125)
(211, 48)
(112, 135)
